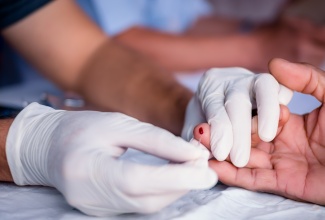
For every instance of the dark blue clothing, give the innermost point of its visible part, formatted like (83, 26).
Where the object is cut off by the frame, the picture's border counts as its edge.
(12, 11)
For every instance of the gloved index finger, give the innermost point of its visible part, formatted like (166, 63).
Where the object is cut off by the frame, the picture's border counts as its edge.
(161, 143)
(140, 180)
(239, 109)
(266, 90)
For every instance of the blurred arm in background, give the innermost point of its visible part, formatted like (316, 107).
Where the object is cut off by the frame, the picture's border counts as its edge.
(69, 49)
(225, 41)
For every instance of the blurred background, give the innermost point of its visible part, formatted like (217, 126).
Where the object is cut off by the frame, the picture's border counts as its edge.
(186, 37)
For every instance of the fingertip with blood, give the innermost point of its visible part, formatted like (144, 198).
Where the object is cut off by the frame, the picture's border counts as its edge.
(202, 133)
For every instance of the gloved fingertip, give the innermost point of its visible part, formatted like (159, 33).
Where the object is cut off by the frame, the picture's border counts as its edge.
(205, 154)
(266, 138)
(194, 142)
(220, 155)
(240, 162)
(221, 141)
(267, 130)
(212, 179)
(203, 163)
(285, 95)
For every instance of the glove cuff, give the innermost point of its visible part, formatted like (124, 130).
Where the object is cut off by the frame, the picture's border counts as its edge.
(28, 143)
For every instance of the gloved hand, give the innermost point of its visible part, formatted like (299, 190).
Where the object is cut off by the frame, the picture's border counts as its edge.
(225, 99)
(78, 153)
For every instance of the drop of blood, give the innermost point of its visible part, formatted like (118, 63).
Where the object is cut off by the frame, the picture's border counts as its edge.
(201, 130)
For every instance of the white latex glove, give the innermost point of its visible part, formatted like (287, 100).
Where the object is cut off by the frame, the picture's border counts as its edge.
(78, 153)
(225, 99)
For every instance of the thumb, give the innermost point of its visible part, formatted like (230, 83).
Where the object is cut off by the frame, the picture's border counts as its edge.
(300, 77)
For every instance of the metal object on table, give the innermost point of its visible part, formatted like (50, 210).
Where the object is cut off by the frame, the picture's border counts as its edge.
(67, 102)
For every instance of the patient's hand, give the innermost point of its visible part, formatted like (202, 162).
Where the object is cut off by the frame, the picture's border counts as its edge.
(292, 165)
(297, 40)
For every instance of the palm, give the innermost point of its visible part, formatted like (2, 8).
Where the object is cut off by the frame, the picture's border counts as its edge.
(292, 165)
(295, 155)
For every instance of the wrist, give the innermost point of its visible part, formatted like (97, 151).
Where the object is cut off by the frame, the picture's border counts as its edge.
(146, 93)
(5, 174)
(28, 143)
(176, 109)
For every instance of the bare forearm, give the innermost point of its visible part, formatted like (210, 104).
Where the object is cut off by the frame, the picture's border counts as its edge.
(5, 174)
(72, 51)
(179, 53)
(57, 39)
(120, 79)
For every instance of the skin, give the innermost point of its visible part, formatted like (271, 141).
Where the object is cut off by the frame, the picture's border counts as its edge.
(5, 174)
(202, 132)
(69, 49)
(294, 162)
(227, 46)
(79, 57)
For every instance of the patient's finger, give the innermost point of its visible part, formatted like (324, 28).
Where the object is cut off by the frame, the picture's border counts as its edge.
(258, 179)
(258, 158)
(202, 133)
(300, 77)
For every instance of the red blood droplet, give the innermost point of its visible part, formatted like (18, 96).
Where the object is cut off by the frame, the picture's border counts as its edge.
(201, 130)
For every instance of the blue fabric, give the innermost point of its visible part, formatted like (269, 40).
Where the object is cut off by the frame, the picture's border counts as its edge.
(174, 16)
